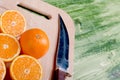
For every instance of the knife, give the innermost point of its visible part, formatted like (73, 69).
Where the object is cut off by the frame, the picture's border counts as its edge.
(62, 55)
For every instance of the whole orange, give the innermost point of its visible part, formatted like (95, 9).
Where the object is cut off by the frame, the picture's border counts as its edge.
(34, 42)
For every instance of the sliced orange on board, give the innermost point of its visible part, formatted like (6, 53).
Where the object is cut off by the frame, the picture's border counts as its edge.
(2, 70)
(25, 67)
(34, 42)
(9, 47)
(12, 22)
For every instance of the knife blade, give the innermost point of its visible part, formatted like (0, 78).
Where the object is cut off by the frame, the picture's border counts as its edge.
(62, 56)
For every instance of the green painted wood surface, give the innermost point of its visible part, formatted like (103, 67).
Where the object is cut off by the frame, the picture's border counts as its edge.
(97, 37)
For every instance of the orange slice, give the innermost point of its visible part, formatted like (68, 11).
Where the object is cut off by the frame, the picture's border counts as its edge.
(12, 22)
(9, 47)
(25, 67)
(2, 70)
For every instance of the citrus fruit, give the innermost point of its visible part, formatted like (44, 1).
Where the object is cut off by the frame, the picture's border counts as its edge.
(25, 67)
(9, 47)
(12, 22)
(2, 70)
(34, 42)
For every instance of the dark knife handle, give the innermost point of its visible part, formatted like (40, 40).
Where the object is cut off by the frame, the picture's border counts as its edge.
(60, 75)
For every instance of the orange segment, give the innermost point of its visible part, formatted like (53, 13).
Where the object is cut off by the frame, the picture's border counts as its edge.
(12, 22)
(2, 70)
(34, 42)
(25, 67)
(9, 47)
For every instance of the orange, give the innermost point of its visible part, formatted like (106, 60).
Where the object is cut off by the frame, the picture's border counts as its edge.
(25, 67)
(2, 70)
(9, 47)
(12, 22)
(34, 42)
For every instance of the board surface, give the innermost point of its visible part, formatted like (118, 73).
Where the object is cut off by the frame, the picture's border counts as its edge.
(32, 10)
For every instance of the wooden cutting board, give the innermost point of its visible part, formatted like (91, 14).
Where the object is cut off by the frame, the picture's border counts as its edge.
(32, 11)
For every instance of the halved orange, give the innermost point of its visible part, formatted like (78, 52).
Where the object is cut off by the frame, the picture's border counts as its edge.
(25, 67)
(9, 47)
(12, 22)
(2, 70)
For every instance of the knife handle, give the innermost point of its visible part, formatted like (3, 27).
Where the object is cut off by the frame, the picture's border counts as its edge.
(60, 75)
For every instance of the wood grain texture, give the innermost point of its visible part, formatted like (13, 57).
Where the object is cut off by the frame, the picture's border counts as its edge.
(49, 26)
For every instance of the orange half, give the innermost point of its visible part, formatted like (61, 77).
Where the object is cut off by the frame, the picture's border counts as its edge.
(9, 47)
(12, 22)
(25, 67)
(2, 70)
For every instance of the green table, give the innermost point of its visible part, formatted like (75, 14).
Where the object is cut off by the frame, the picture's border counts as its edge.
(97, 37)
